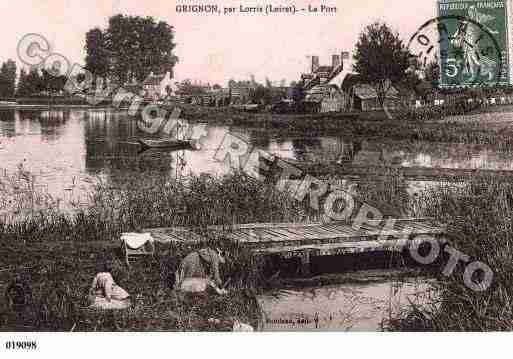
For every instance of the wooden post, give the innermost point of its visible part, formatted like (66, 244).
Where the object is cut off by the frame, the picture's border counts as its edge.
(305, 264)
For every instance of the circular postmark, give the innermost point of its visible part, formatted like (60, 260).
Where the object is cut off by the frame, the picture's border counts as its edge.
(460, 54)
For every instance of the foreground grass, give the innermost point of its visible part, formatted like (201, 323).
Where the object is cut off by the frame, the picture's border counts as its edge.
(60, 275)
(480, 222)
(58, 253)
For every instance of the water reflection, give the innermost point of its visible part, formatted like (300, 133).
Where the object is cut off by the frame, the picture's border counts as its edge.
(348, 307)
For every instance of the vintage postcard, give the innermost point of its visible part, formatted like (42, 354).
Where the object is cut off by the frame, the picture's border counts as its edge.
(255, 166)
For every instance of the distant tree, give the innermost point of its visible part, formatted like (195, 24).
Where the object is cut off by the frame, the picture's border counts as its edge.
(188, 88)
(130, 48)
(232, 83)
(432, 73)
(217, 87)
(21, 83)
(413, 75)
(8, 79)
(260, 95)
(97, 57)
(381, 58)
(266, 95)
(30, 83)
(53, 83)
(298, 92)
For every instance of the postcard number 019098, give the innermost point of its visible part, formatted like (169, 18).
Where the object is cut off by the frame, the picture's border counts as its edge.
(20, 345)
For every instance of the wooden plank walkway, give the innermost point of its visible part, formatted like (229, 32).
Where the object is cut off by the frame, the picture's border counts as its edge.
(303, 240)
(294, 239)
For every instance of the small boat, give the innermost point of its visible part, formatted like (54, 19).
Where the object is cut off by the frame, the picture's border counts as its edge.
(167, 144)
(251, 107)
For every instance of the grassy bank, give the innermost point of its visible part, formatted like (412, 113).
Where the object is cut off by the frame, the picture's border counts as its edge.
(60, 275)
(58, 252)
(437, 124)
(479, 218)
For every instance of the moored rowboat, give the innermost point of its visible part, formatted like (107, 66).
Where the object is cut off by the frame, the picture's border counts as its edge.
(167, 144)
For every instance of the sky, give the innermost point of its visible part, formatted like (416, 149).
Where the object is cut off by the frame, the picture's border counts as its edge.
(216, 48)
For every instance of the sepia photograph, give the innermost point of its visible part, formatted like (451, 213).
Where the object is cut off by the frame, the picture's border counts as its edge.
(245, 166)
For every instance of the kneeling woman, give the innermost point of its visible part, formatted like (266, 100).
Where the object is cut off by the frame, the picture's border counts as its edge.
(105, 293)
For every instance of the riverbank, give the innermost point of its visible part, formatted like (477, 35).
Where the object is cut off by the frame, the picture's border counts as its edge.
(365, 305)
(487, 126)
(57, 253)
(479, 223)
(60, 275)
(481, 129)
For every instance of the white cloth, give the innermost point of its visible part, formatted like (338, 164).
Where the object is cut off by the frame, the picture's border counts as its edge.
(241, 327)
(102, 303)
(104, 286)
(199, 285)
(136, 240)
(106, 294)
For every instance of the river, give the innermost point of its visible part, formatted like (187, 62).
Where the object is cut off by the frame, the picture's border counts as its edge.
(352, 306)
(66, 151)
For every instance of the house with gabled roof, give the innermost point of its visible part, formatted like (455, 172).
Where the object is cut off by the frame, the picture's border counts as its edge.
(363, 97)
(158, 86)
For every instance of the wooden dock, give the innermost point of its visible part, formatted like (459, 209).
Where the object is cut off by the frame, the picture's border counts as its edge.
(289, 240)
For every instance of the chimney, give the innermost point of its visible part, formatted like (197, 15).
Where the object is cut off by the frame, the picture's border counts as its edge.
(344, 56)
(335, 61)
(315, 63)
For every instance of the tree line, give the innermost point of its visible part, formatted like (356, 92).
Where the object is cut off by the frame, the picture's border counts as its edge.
(8, 79)
(28, 83)
(383, 60)
(130, 48)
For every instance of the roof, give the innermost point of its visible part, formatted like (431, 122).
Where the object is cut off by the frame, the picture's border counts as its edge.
(243, 87)
(320, 92)
(337, 80)
(366, 91)
(133, 87)
(328, 69)
(325, 88)
(363, 90)
(350, 80)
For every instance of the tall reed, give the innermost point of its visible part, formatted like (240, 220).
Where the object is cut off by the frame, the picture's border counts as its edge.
(479, 218)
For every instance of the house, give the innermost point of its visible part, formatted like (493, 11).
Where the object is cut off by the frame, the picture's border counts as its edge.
(363, 97)
(240, 93)
(220, 97)
(319, 85)
(323, 74)
(157, 86)
(328, 97)
(134, 88)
